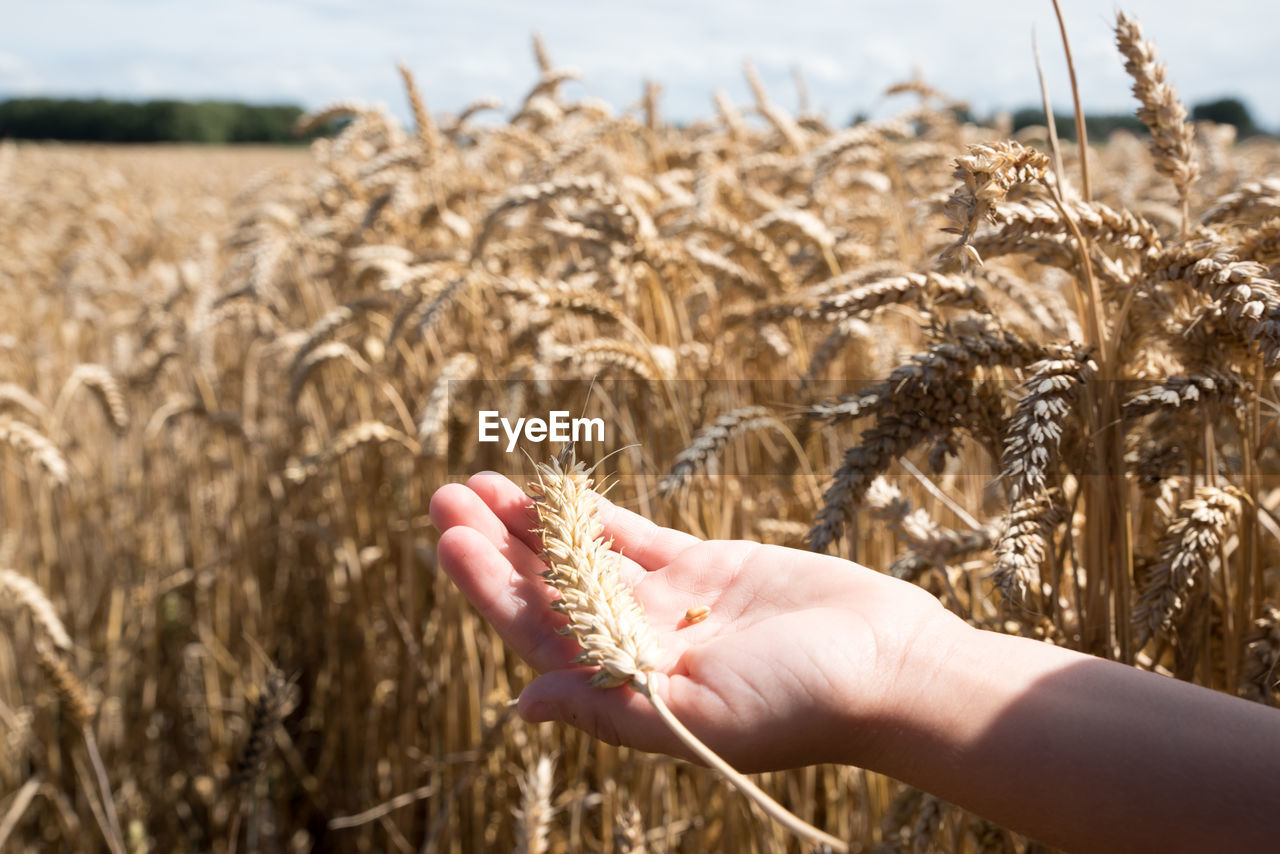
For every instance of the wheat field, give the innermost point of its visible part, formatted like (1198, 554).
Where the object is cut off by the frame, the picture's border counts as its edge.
(230, 380)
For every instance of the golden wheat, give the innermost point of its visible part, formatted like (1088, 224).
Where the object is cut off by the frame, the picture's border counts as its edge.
(1021, 440)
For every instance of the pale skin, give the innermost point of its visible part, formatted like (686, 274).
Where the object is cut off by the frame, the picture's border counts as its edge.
(807, 658)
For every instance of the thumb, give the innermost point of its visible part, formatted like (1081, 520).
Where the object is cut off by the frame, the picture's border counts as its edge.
(617, 716)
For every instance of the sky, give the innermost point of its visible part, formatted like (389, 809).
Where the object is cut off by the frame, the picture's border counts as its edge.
(315, 52)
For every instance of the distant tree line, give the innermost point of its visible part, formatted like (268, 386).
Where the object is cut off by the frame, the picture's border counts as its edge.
(99, 120)
(221, 122)
(1228, 111)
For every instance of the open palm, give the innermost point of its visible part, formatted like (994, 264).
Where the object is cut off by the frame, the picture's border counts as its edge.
(798, 648)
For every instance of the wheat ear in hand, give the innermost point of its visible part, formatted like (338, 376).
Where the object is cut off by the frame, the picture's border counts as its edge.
(607, 621)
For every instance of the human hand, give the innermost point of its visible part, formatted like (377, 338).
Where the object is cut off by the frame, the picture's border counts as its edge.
(802, 657)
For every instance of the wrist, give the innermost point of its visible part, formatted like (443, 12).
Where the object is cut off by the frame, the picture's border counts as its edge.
(922, 695)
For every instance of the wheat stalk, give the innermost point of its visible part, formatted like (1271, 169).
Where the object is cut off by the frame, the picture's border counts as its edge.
(845, 331)
(1260, 669)
(1026, 541)
(923, 289)
(751, 241)
(31, 443)
(25, 592)
(1161, 111)
(1212, 388)
(922, 400)
(364, 433)
(607, 621)
(275, 699)
(710, 440)
(604, 617)
(649, 363)
(15, 395)
(103, 384)
(71, 691)
(929, 545)
(1187, 551)
(79, 710)
(329, 323)
(318, 118)
(784, 124)
(533, 818)
(433, 433)
(628, 830)
(1042, 414)
(428, 134)
(987, 174)
(1252, 201)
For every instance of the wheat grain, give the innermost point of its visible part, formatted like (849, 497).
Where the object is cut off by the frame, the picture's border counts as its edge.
(604, 617)
(30, 442)
(1021, 551)
(319, 118)
(1253, 201)
(729, 115)
(862, 140)
(1042, 414)
(784, 124)
(1261, 244)
(1097, 222)
(751, 242)
(15, 395)
(607, 622)
(428, 133)
(364, 433)
(422, 314)
(533, 818)
(21, 590)
(628, 830)
(710, 440)
(1248, 300)
(1216, 388)
(433, 433)
(987, 174)
(925, 290)
(273, 704)
(1260, 666)
(1187, 551)
(1161, 111)
(849, 329)
(589, 357)
(329, 323)
(920, 401)
(103, 384)
(725, 270)
(327, 352)
(574, 186)
(71, 692)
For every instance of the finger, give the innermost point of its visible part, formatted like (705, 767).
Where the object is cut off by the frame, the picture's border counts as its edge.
(613, 715)
(453, 505)
(649, 545)
(508, 503)
(516, 604)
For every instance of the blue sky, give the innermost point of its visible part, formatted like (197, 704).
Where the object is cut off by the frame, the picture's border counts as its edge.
(316, 51)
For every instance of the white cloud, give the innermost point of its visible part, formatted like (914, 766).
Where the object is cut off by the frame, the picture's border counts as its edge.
(320, 50)
(17, 75)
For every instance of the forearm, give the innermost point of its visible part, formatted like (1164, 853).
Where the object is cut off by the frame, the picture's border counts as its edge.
(1083, 753)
